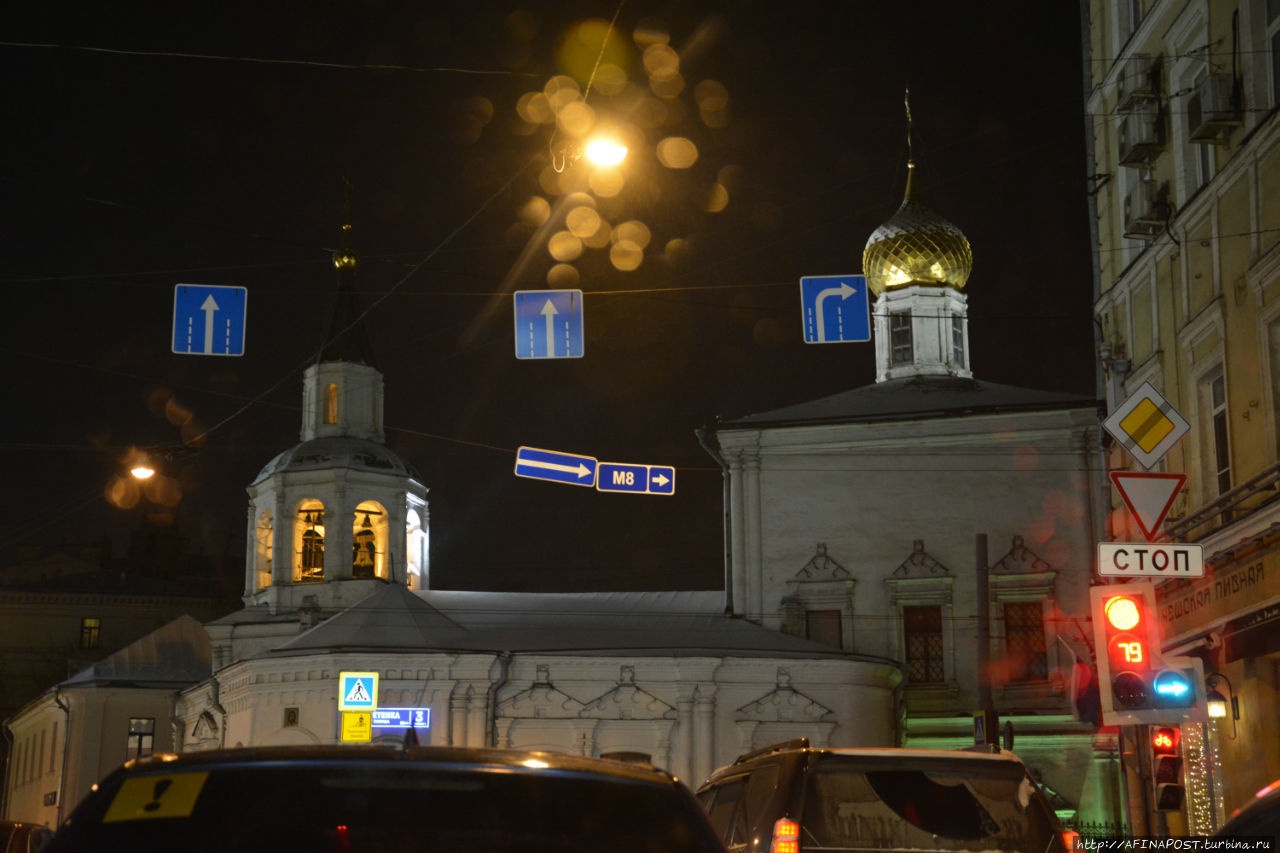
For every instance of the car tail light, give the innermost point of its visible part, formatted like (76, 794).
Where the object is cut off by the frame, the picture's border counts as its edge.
(786, 837)
(1070, 839)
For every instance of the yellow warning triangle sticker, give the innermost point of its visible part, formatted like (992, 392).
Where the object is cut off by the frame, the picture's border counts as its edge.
(1148, 496)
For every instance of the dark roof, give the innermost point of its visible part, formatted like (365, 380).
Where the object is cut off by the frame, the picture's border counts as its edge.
(177, 653)
(395, 619)
(913, 398)
(341, 451)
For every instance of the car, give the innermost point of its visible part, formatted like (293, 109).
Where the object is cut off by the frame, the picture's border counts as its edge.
(385, 798)
(21, 837)
(791, 797)
(1260, 817)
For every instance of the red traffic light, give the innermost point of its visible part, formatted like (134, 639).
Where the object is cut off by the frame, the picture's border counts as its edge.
(1164, 740)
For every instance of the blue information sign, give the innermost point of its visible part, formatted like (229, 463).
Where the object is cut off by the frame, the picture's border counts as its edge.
(555, 466)
(402, 718)
(639, 479)
(209, 319)
(836, 309)
(357, 691)
(548, 323)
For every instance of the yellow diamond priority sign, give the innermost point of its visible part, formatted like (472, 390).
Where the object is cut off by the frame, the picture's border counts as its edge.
(1147, 425)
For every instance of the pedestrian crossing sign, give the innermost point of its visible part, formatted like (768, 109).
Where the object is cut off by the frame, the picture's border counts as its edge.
(358, 691)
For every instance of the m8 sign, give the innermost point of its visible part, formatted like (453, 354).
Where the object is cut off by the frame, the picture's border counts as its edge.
(1147, 559)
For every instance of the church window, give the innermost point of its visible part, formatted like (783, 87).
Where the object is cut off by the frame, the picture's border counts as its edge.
(957, 341)
(824, 626)
(331, 403)
(901, 351)
(309, 542)
(922, 632)
(369, 541)
(1024, 641)
(265, 545)
(142, 731)
(415, 551)
(90, 630)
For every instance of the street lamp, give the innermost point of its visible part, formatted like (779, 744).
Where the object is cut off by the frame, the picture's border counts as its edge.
(603, 151)
(1217, 703)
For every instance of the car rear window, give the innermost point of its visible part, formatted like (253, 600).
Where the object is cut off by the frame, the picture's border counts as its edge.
(386, 807)
(969, 806)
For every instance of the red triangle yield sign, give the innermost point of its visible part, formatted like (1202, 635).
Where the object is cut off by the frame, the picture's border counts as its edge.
(1148, 497)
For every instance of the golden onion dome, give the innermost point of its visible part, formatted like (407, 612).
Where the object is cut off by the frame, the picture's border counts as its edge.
(916, 246)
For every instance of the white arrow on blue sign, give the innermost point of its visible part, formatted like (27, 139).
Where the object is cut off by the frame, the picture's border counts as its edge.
(835, 308)
(548, 323)
(638, 479)
(555, 466)
(209, 319)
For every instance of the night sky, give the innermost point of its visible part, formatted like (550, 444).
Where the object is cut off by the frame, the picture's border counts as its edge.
(163, 143)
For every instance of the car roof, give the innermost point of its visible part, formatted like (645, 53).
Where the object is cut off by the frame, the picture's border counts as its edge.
(491, 757)
(876, 754)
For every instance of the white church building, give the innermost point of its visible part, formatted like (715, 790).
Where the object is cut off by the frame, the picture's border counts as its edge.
(850, 613)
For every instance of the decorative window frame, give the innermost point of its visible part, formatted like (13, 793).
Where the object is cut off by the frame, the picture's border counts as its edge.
(1185, 44)
(820, 584)
(922, 581)
(1262, 276)
(1022, 577)
(1209, 323)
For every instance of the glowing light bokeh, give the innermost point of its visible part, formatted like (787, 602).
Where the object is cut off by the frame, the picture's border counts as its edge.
(633, 231)
(606, 152)
(676, 152)
(563, 246)
(583, 222)
(142, 472)
(536, 210)
(626, 256)
(563, 276)
(606, 183)
(717, 198)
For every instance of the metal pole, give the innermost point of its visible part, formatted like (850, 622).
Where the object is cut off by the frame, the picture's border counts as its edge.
(984, 631)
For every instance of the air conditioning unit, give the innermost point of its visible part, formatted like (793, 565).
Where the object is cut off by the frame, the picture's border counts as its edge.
(1214, 110)
(1138, 82)
(1141, 136)
(1146, 210)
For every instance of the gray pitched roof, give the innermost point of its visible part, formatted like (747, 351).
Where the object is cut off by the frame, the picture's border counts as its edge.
(664, 623)
(176, 653)
(913, 397)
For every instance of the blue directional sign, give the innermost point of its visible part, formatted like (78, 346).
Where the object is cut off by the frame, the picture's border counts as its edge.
(836, 309)
(209, 319)
(548, 323)
(639, 479)
(402, 718)
(555, 466)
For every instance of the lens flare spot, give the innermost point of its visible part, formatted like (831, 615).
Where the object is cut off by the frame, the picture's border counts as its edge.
(1025, 458)
(123, 494)
(582, 222)
(601, 238)
(580, 47)
(711, 94)
(661, 60)
(536, 210)
(650, 31)
(632, 231)
(717, 198)
(626, 256)
(563, 246)
(606, 183)
(576, 118)
(678, 250)
(535, 108)
(164, 491)
(562, 276)
(677, 152)
(610, 79)
(667, 85)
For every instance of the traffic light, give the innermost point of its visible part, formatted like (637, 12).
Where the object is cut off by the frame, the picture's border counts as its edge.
(1166, 768)
(1136, 684)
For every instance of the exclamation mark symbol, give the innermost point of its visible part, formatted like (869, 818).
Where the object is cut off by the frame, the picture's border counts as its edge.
(161, 787)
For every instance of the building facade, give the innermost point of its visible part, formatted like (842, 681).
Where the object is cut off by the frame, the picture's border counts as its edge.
(1184, 137)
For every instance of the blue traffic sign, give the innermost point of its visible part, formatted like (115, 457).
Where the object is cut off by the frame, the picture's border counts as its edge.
(357, 691)
(548, 323)
(402, 718)
(836, 309)
(555, 466)
(209, 319)
(638, 479)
